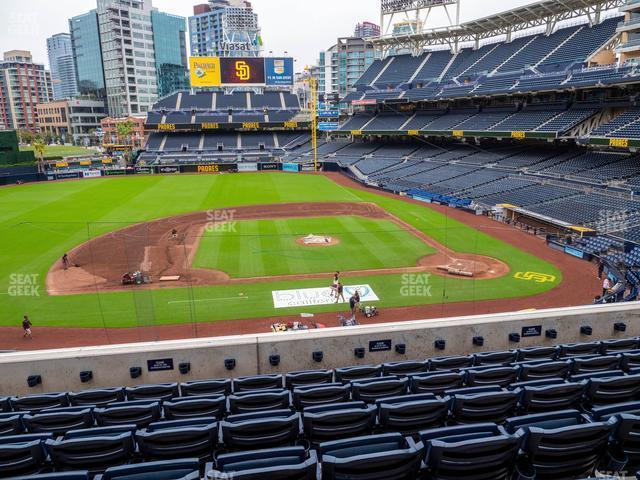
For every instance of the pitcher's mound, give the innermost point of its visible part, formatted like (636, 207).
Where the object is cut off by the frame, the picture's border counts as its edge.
(317, 241)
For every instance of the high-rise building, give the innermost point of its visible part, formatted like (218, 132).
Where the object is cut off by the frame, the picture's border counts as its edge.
(366, 30)
(126, 37)
(225, 28)
(87, 54)
(343, 64)
(170, 44)
(137, 65)
(23, 85)
(61, 64)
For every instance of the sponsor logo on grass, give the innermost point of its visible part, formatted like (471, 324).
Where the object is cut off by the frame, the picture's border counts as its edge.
(309, 297)
(24, 285)
(535, 277)
(221, 221)
(415, 285)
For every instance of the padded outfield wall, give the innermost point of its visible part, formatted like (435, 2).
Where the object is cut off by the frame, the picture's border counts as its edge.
(60, 369)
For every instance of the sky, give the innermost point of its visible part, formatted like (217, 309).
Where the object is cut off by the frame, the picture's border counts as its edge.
(300, 27)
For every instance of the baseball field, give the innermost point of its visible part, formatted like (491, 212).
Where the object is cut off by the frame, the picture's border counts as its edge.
(247, 242)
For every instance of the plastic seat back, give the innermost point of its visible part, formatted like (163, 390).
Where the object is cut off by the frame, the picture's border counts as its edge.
(206, 388)
(195, 407)
(260, 430)
(248, 402)
(332, 422)
(369, 391)
(312, 396)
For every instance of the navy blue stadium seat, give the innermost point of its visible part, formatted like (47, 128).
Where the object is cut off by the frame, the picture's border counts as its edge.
(337, 421)
(98, 452)
(195, 407)
(450, 363)
(206, 387)
(436, 382)
(34, 403)
(252, 431)
(260, 382)
(538, 353)
(22, 457)
(630, 360)
(178, 439)
(620, 345)
(470, 452)
(288, 463)
(185, 469)
(373, 457)
(59, 421)
(495, 358)
(294, 380)
(139, 413)
(404, 368)
(314, 395)
(483, 407)
(540, 370)
(374, 389)
(346, 375)
(97, 397)
(256, 401)
(580, 349)
(412, 413)
(545, 398)
(164, 391)
(607, 390)
(598, 363)
(561, 445)
(11, 424)
(5, 404)
(502, 376)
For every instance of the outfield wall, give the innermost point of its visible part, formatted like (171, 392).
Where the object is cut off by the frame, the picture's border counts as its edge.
(60, 369)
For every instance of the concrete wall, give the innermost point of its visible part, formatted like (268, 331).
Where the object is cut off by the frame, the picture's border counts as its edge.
(60, 369)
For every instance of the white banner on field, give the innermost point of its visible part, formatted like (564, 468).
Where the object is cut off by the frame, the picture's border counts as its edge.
(309, 297)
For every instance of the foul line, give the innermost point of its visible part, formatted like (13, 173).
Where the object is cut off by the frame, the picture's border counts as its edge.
(207, 300)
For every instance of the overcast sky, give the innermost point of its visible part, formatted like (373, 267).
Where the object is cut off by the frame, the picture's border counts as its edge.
(300, 27)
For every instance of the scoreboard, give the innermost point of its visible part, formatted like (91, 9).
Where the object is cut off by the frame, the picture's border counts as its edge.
(240, 71)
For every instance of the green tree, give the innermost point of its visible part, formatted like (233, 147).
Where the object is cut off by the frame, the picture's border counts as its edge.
(25, 136)
(124, 131)
(39, 147)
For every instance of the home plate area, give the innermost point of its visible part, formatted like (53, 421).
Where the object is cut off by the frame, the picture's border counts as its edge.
(309, 297)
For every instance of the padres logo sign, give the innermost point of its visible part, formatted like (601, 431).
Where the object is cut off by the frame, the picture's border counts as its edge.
(243, 71)
(535, 277)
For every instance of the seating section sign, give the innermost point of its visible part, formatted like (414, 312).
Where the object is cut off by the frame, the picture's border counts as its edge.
(309, 297)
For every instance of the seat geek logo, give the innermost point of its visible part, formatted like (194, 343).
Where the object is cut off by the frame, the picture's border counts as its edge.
(24, 285)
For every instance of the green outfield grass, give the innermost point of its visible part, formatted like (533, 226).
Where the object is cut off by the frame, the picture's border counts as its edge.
(61, 151)
(39, 222)
(268, 247)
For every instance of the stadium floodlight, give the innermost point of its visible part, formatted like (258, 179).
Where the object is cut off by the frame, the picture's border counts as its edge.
(398, 6)
(404, 18)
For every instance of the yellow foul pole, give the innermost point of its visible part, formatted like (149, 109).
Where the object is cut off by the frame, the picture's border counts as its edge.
(313, 89)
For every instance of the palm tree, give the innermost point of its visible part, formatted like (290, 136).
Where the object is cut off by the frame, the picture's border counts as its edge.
(124, 130)
(39, 147)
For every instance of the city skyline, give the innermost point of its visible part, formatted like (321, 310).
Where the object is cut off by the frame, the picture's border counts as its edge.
(31, 22)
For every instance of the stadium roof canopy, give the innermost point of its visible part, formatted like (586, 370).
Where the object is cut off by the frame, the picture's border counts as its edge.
(542, 13)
